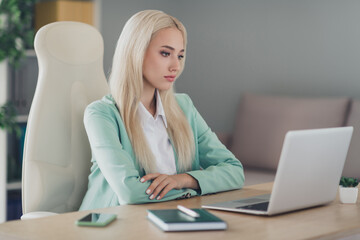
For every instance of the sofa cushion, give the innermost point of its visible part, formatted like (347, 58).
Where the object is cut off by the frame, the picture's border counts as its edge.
(263, 121)
(352, 163)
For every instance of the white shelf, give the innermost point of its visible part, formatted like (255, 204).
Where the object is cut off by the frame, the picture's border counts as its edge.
(30, 53)
(22, 118)
(13, 185)
(3, 141)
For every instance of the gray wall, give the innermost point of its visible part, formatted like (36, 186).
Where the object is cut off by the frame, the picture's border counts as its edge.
(286, 47)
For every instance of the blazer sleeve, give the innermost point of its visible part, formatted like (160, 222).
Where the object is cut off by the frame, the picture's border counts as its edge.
(116, 165)
(221, 171)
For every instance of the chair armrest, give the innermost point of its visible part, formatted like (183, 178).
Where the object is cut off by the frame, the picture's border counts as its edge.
(225, 138)
(33, 215)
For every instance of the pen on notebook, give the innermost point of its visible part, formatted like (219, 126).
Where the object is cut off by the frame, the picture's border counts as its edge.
(188, 211)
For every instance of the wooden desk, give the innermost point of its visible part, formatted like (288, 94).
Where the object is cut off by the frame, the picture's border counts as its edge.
(327, 222)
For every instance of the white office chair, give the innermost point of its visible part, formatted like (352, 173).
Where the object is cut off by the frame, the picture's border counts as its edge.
(57, 154)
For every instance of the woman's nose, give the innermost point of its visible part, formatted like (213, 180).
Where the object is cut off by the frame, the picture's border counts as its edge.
(175, 65)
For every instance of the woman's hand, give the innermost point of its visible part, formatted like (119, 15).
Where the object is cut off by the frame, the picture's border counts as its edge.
(163, 183)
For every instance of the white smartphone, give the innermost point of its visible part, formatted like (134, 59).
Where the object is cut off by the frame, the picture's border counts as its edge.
(96, 220)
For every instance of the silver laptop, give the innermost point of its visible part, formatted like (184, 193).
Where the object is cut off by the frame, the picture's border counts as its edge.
(308, 173)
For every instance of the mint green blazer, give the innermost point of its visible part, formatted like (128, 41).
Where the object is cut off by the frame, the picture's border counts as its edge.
(115, 174)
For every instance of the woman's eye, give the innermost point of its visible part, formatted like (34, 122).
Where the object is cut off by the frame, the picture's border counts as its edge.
(165, 54)
(180, 57)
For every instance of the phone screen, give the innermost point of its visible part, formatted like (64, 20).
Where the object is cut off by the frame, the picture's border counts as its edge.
(96, 219)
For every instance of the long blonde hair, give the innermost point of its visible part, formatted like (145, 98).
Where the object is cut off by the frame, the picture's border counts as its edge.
(126, 86)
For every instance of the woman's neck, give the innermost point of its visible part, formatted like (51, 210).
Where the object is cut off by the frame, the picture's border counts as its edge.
(148, 99)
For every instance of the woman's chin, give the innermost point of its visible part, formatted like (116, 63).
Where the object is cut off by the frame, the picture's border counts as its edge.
(165, 87)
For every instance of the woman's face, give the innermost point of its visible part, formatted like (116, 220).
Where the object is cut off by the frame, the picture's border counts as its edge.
(162, 59)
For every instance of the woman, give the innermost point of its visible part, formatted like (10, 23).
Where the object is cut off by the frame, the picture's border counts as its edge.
(149, 144)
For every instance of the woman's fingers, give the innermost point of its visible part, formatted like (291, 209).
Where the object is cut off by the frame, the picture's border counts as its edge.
(149, 176)
(154, 188)
(157, 179)
(164, 187)
(160, 186)
(165, 191)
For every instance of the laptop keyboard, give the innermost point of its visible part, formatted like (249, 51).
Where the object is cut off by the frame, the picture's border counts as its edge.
(258, 206)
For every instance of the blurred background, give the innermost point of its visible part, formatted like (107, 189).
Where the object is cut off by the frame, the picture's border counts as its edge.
(307, 48)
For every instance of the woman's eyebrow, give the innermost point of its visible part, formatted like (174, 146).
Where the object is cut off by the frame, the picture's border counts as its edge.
(171, 48)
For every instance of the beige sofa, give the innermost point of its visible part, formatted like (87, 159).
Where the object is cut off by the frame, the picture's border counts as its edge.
(262, 122)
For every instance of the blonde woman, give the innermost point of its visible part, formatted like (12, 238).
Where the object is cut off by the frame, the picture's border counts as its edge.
(149, 144)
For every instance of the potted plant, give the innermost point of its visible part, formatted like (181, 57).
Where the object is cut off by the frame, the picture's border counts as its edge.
(348, 190)
(16, 31)
(7, 119)
(8, 123)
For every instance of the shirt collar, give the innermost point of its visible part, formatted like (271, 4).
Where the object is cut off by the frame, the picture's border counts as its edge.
(145, 115)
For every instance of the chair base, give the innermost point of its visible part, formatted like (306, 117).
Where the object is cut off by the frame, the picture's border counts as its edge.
(33, 215)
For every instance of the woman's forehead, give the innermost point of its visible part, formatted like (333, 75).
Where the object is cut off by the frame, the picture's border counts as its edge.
(171, 37)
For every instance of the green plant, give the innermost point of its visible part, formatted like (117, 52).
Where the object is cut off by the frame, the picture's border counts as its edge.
(349, 182)
(7, 119)
(16, 31)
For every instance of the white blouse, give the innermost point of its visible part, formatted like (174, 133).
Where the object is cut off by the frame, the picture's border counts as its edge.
(154, 128)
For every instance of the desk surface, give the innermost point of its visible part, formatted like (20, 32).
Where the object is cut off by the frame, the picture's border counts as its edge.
(326, 222)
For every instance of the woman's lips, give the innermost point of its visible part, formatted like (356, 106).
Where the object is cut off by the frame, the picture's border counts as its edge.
(170, 78)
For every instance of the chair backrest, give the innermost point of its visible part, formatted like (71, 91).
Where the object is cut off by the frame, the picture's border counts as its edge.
(57, 153)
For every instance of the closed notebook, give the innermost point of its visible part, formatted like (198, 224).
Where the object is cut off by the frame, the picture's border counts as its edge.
(175, 220)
